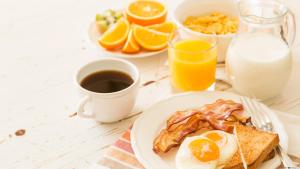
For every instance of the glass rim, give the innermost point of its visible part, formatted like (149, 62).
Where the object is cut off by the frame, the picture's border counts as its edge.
(269, 20)
(171, 41)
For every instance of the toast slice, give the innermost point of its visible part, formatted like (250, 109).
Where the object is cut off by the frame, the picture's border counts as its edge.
(256, 146)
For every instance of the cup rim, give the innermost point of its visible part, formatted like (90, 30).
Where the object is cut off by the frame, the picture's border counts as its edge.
(113, 94)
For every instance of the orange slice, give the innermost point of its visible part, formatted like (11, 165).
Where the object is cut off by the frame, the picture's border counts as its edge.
(150, 39)
(166, 27)
(146, 12)
(116, 35)
(131, 45)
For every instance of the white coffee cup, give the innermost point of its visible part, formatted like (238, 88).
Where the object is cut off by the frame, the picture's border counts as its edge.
(107, 107)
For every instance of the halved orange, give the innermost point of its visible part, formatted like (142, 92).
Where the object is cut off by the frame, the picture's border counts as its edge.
(146, 12)
(116, 35)
(150, 39)
(131, 45)
(166, 27)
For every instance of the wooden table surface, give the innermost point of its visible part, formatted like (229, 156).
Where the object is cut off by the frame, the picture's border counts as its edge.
(42, 43)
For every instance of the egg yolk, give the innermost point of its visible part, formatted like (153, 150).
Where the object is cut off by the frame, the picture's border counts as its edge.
(204, 150)
(217, 138)
(214, 136)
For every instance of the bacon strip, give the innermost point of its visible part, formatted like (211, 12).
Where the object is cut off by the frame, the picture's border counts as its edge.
(179, 118)
(167, 140)
(220, 115)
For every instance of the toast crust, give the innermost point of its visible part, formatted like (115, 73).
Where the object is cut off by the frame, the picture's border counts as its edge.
(257, 146)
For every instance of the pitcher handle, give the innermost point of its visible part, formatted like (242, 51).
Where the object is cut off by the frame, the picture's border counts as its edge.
(290, 28)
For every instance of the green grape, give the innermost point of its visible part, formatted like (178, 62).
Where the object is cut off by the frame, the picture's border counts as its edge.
(112, 12)
(109, 13)
(102, 25)
(99, 17)
(118, 15)
(110, 20)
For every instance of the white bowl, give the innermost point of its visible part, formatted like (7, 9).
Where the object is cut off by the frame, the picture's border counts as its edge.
(203, 7)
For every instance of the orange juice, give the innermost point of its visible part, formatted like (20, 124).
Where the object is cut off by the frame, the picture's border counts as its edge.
(192, 64)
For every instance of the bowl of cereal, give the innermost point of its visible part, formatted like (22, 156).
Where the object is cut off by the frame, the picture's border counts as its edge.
(207, 18)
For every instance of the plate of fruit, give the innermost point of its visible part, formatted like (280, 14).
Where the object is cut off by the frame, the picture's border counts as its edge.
(139, 30)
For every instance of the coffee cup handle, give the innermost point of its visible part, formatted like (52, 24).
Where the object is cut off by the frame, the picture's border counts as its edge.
(81, 111)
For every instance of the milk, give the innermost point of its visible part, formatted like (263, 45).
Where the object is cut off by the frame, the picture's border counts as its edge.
(258, 64)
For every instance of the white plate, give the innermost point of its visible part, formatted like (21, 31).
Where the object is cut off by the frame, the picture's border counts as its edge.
(147, 127)
(94, 35)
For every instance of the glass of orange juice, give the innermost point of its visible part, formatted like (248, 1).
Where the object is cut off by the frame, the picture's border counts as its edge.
(192, 61)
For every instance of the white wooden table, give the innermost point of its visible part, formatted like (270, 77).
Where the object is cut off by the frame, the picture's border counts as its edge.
(42, 43)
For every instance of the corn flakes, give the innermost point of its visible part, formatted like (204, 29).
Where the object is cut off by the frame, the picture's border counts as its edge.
(215, 23)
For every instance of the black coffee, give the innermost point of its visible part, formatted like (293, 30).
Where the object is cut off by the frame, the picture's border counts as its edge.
(106, 81)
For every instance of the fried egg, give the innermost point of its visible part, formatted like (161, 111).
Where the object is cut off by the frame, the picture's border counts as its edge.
(210, 150)
(226, 142)
(197, 152)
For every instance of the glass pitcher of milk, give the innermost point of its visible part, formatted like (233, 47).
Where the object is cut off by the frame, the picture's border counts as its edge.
(259, 60)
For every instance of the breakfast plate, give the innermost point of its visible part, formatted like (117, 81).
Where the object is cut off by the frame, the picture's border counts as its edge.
(93, 36)
(148, 126)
